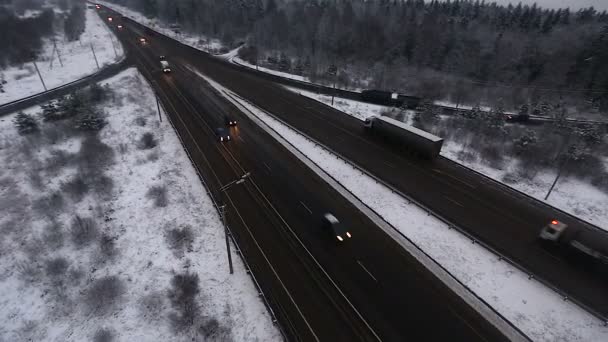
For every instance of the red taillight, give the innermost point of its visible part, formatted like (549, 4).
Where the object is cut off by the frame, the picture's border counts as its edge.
(554, 222)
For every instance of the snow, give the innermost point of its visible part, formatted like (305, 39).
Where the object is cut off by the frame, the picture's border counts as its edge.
(38, 310)
(77, 58)
(239, 61)
(196, 41)
(572, 195)
(535, 309)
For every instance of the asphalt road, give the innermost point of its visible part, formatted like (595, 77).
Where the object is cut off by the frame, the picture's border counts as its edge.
(65, 89)
(367, 289)
(503, 219)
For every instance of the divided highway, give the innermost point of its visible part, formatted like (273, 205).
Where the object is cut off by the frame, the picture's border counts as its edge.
(490, 212)
(367, 289)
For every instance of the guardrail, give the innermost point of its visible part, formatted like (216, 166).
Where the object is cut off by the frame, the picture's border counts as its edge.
(410, 200)
(64, 89)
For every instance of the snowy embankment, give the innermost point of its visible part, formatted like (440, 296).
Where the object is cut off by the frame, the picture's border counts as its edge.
(105, 235)
(572, 195)
(196, 41)
(536, 310)
(77, 59)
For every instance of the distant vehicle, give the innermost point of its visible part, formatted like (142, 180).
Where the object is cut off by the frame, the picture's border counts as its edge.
(229, 121)
(98, 6)
(110, 19)
(143, 41)
(386, 98)
(119, 27)
(405, 136)
(222, 134)
(518, 118)
(335, 228)
(162, 58)
(587, 242)
(165, 66)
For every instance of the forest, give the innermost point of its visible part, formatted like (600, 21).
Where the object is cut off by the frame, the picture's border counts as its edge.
(464, 51)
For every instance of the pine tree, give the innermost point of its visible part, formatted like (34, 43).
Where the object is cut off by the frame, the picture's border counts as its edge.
(26, 124)
(91, 120)
(284, 63)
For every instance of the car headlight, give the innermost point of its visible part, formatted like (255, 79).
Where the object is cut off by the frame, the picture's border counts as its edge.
(348, 234)
(339, 238)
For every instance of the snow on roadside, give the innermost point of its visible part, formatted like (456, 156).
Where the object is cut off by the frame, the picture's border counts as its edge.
(39, 303)
(77, 59)
(536, 310)
(572, 195)
(196, 41)
(240, 61)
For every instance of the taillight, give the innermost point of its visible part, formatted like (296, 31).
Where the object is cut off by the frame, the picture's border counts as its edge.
(554, 222)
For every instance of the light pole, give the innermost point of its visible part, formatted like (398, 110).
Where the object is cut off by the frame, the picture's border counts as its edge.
(222, 208)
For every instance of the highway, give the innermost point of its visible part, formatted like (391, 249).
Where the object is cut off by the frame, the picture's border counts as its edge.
(503, 219)
(367, 289)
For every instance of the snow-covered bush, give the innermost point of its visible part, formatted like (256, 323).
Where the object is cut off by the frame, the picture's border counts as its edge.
(26, 124)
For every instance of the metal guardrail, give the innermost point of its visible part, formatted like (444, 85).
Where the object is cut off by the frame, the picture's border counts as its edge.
(238, 247)
(410, 200)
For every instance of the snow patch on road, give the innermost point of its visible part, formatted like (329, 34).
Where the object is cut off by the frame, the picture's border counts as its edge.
(77, 58)
(535, 309)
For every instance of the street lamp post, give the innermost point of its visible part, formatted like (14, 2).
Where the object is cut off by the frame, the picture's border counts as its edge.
(222, 209)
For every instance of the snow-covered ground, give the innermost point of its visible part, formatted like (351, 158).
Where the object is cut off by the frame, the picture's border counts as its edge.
(197, 41)
(239, 61)
(571, 195)
(77, 58)
(54, 288)
(536, 310)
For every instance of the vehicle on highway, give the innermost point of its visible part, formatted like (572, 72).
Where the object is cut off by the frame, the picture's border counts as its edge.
(405, 136)
(143, 41)
(98, 6)
(119, 27)
(518, 118)
(229, 121)
(590, 243)
(335, 227)
(165, 66)
(222, 134)
(110, 19)
(162, 57)
(386, 98)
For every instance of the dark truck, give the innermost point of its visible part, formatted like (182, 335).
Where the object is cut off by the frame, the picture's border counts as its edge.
(386, 98)
(405, 136)
(590, 243)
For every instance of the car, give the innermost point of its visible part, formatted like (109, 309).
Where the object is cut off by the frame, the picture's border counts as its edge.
(110, 19)
(162, 58)
(332, 225)
(98, 6)
(518, 118)
(165, 66)
(222, 134)
(119, 27)
(143, 41)
(229, 121)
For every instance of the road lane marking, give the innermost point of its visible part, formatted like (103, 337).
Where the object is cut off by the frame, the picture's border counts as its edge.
(366, 271)
(453, 201)
(305, 207)
(389, 164)
(241, 139)
(268, 167)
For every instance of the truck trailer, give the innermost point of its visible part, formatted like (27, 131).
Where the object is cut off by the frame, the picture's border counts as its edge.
(405, 136)
(593, 244)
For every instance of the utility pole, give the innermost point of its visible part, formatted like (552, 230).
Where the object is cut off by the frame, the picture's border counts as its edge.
(39, 75)
(226, 234)
(57, 50)
(160, 118)
(94, 56)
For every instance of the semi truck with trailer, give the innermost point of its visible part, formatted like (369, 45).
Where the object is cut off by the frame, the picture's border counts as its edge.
(405, 136)
(586, 242)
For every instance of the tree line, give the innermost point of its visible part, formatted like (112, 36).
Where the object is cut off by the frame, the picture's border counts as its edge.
(457, 49)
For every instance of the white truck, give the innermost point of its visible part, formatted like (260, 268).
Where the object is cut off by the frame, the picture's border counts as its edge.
(405, 136)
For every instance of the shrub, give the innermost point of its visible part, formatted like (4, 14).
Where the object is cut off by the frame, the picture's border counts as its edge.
(140, 121)
(56, 267)
(26, 124)
(180, 239)
(212, 330)
(83, 231)
(58, 159)
(53, 236)
(97, 93)
(76, 188)
(103, 335)
(182, 295)
(158, 193)
(91, 121)
(103, 294)
(94, 155)
(50, 205)
(107, 247)
(102, 185)
(147, 141)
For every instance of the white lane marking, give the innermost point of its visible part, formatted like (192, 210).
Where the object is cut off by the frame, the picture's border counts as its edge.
(453, 201)
(241, 139)
(268, 167)
(389, 164)
(305, 207)
(366, 271)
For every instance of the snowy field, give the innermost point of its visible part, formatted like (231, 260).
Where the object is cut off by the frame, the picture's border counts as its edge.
(104, 236)
(533, 308)
(571, 195)
(77, 59)
(195, 40)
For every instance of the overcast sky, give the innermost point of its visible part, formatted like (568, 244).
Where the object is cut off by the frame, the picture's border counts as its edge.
(573, 4)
